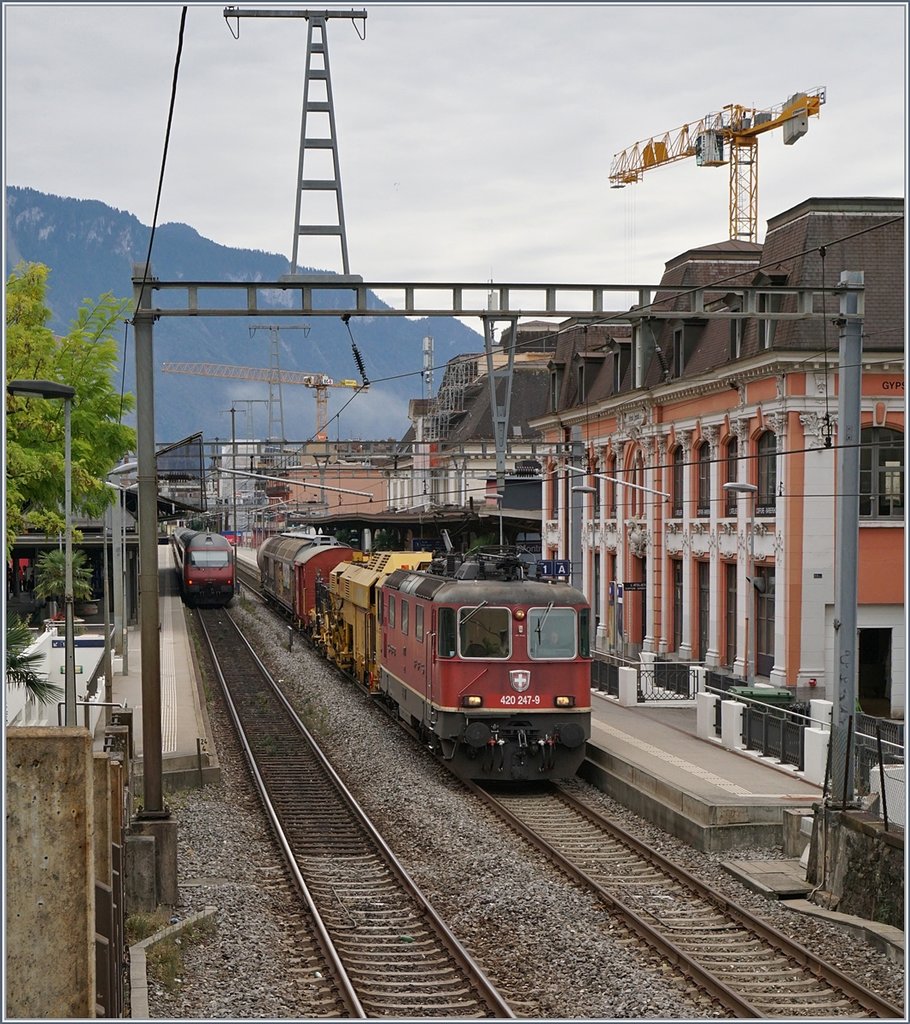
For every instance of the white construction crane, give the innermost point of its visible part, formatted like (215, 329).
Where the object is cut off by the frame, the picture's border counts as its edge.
(320, 382)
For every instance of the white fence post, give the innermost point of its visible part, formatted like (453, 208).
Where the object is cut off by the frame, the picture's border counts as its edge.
(705, 710)
(731, 724)
(628, 687)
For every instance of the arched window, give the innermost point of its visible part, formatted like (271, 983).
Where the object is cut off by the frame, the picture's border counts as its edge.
(676, 483)
(634, 502)
(637, 497)
(881, 473)
(703, 464)
(731, 472)
(610, 471)
(766, 449)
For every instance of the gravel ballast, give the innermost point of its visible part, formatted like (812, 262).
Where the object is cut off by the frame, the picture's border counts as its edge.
(552, 949)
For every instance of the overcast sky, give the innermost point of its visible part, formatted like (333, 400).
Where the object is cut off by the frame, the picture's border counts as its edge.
(475, 140)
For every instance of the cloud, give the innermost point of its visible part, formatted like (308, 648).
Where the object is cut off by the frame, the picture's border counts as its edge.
(475, 140)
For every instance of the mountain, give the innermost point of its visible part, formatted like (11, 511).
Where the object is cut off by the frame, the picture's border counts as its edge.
(90, 249)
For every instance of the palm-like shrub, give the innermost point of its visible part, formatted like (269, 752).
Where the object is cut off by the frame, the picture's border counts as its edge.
(20, 664)
(50, 575)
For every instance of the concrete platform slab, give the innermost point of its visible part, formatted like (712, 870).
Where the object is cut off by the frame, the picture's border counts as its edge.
(776, 879)
(188, 756)
(652, 761)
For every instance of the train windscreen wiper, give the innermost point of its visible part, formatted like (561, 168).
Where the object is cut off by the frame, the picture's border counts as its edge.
(543, 620)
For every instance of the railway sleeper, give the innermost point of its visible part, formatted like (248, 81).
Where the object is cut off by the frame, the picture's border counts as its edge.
(407, 1007)
(453, 987)
(367, 960)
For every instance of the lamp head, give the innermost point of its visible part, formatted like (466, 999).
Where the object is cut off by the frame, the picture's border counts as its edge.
(41, 388)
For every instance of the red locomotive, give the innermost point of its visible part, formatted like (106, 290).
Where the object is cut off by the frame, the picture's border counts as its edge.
(492, 669)
(205, 567)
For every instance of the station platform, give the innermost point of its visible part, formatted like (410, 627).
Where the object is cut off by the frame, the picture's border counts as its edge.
(651, 760)
(188, 755)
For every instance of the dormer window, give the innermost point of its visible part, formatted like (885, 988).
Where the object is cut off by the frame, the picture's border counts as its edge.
(556, 371)
(622, 357)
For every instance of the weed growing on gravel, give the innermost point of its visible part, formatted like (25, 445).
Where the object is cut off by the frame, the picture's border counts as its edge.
(141, 926)
(164, 959)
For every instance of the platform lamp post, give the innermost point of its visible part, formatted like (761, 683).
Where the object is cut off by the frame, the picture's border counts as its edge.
(499, 496)
(733, 487)
(581, 490)
(52, 390)
(118, 549)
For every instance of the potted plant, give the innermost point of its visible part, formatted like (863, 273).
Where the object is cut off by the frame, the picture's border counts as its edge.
(50, 577)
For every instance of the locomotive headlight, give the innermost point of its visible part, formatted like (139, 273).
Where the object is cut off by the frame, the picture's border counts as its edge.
(520, 679)
(471, 701)
(565, 702)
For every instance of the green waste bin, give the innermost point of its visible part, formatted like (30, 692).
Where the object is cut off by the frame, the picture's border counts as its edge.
(775, 696)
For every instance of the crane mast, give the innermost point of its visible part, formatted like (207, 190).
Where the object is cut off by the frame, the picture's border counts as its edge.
(738, 127)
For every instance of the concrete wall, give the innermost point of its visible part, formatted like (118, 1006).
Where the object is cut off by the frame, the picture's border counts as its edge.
(858, 866)
(50, 873)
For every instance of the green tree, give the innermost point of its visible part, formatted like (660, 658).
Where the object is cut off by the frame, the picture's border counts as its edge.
(50, 575)
(84, 358)
(20, 664)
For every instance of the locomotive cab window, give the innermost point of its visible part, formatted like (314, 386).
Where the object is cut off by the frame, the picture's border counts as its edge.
(418, 623)
(210, 559)
(484, 632)
(551, 632)
(584, 633)
(404, 617)
(390, 617)
(447, 633)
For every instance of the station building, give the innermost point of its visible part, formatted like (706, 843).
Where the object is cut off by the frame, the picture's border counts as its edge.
(648, 424)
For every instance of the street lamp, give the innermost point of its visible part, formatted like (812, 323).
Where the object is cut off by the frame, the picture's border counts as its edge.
(52, 390)
(118, 547)
(732, 487)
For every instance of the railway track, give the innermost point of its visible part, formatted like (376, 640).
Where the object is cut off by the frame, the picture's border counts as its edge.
(248, 577)
(749, 967)
(386, 952)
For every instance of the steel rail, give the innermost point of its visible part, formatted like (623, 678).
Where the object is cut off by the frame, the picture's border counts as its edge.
(789, 947)
(346, 986)
(486, 993)
(685, 962)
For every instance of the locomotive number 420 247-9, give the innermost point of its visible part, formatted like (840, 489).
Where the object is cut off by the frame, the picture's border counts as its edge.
(521, 699)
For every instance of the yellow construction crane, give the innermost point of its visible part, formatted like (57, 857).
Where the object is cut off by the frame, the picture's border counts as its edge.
(319, 381)
(738, 127)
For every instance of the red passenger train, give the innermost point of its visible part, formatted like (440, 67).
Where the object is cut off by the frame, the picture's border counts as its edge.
(205, 567)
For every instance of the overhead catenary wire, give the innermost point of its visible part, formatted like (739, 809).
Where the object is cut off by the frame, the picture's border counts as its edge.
(167, 140)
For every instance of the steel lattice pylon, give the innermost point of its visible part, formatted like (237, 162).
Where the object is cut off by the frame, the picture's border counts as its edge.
(317, 74)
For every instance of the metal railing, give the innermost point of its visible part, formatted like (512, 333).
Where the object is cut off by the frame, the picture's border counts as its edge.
(666, 680)
(660, 680)
(876, 748)
(776, 732)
